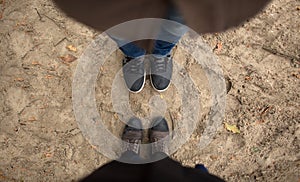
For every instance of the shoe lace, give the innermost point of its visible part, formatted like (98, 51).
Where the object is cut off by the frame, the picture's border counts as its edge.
(131, 145)
(160, 65)
(159, 146)
(134, 65)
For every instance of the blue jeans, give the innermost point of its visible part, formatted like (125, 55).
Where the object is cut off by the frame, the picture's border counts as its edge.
(172, 32)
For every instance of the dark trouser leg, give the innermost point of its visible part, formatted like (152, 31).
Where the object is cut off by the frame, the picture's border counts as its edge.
(170, 33)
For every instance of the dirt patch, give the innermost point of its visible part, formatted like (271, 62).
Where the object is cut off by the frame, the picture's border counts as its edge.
(39, 136)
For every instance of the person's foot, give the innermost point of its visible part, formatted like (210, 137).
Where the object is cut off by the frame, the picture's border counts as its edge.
(132, 135)
(158, 134)
(161, 72)
(134, 73)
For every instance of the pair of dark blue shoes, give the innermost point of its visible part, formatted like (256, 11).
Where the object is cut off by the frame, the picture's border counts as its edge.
(160, 72)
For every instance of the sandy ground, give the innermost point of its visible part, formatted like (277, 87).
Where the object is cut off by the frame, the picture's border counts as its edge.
(40, 139)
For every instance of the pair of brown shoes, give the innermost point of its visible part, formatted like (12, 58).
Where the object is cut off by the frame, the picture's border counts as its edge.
(133, 135)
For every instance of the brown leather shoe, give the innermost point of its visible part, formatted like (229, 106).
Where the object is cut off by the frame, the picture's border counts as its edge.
(132, 135)
(158, 136)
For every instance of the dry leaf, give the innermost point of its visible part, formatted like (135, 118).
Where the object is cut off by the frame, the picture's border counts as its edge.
(32, 119)
(19, 79)
(213, 157)
(218, 47)
(69, 58)
(94, 147)
(48, 76)
(233, 157)
(35, 63)
(161, 96)
(116, 116)
(232, 128)
(71, 48)
(259, 122)
(248, 78)
(22, 23)
(48, 154)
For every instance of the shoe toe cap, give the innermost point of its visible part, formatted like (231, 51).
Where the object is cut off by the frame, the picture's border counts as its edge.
(160, 124)
(159, 82)
(135, 123)
(137, 85)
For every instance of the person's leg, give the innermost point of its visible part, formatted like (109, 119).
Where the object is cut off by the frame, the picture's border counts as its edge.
(162, 62)
(170, 33)
(164, 169)
(129, 49)
(133, 64)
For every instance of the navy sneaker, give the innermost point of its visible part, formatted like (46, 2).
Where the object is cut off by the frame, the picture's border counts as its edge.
(161, 72)
(134, 73)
